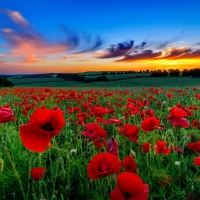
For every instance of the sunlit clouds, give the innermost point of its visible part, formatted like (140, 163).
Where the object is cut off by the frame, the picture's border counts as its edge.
(23, 41)
(25, 48)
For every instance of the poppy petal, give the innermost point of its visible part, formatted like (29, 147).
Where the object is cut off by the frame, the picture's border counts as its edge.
(33, 140)
(142, 195)
(117, 195)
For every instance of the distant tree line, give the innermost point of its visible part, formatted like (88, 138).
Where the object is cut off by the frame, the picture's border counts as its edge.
(159, 73)
(111, 73)
(191, 72)
(69, 76)
(176, 72)
(4, 82)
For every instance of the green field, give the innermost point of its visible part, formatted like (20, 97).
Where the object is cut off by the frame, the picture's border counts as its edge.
(43, 82)
(134, 82)
(118, 76)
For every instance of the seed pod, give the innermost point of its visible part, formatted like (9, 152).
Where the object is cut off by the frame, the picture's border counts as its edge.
(132, 153)
(90, 144)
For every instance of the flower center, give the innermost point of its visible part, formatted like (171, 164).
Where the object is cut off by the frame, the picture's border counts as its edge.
(127, 195)
(48, 127)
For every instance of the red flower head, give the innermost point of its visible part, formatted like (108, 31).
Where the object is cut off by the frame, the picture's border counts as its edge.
(37, 173)
(130, 131)
(130, 164)
(103, 164)
(184, 123)
(194, 146)
(99, 138)
(196, 124)
(43, 126)
(178, 113)
(197, 161)
(91, 129)
(113, 146)
(6, 114)
(150, 124)
(145, 147)
(130, 187)
(160, 147)
(100, 112)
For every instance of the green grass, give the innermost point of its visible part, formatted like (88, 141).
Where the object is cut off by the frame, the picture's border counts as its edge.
(43, 82)
(117, 76)
(134, 82)
(66, 177)
(151, 81)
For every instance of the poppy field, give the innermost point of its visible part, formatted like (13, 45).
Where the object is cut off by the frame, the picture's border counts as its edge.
(99, 144)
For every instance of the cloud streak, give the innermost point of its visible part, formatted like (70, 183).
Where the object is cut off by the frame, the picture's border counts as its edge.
(117, 50)
(23, 40)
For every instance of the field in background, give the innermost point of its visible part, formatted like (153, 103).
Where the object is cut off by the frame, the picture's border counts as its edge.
(53, 81)
(118, 76)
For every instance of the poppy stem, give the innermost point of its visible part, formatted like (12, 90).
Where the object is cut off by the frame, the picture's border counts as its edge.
(15, 171)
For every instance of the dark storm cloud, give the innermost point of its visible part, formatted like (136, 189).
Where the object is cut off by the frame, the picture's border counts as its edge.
(177, 53)
(95, 45)
(143, 55)
(192, 54)
(118, 50)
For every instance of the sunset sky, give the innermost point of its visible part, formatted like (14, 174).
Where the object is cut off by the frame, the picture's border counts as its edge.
(47, 36)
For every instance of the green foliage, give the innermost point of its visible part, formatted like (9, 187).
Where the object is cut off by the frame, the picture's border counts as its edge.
(66, 161)
(4, 82)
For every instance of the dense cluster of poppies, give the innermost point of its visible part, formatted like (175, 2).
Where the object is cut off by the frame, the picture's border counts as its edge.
(110, 121)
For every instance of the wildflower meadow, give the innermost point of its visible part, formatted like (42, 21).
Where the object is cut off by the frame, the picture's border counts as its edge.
(99, 144)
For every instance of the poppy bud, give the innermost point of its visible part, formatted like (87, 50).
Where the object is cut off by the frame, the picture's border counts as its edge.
(177, 163)
(37, 173)
(6, 114)
(1, 165)
(90, 144)
(172, 137)
(146, 147)
(132, 153)
(73, 151)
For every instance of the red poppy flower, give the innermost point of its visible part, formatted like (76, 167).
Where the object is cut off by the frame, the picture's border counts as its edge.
(6, 114)
(197, 161)
(130, 187)
(184, 123)
(195, 124)
(130, 164)
(160, 148)
(103, 164)
(145, 147)
(91, 129)
(178, 113)
(194, 146)
(113, 146)
(112, 120)
(100, 112)
(44, 125)
(150, 124)
(37, 173)
(99, 138)
(130, 131)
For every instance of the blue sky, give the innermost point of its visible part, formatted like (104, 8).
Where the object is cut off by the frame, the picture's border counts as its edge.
(98, 23)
